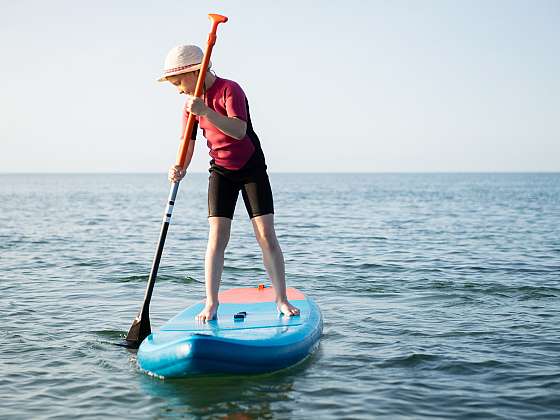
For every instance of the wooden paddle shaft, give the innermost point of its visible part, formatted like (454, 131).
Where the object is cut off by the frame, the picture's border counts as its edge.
(140, 327)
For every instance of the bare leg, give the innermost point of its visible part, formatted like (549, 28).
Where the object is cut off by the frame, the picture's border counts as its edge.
(218, 237)
(273, 260)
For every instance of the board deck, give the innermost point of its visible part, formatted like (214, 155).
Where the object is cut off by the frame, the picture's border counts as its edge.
(260, 340)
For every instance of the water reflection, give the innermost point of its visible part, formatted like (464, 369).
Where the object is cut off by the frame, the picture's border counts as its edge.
(231, 397)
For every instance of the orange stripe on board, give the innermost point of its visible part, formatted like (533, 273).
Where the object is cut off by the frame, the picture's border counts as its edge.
(255, 295)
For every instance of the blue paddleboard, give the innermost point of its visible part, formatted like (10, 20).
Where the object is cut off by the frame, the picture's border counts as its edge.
(249, 335)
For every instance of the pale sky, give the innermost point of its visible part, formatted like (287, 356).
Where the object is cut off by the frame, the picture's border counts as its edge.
(334, 86)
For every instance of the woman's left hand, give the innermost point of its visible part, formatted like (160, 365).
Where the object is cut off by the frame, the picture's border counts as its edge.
(196, 105)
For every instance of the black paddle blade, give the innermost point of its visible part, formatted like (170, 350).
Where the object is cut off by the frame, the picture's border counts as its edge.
(128, 344)
(138, 331)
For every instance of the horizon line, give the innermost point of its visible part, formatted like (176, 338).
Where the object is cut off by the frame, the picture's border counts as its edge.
(283, 172)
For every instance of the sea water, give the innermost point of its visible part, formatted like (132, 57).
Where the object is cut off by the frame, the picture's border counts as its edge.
(440, 295)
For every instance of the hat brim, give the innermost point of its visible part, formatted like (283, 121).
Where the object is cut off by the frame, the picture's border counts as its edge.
(175, 73)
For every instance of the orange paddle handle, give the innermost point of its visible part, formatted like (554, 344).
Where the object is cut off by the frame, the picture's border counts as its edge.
(184, 147)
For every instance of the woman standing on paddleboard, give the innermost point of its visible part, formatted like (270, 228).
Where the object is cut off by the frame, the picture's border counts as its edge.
(237, 164)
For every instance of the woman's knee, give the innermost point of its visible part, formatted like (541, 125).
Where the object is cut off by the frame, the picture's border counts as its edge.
(218, 236)
(267, 239)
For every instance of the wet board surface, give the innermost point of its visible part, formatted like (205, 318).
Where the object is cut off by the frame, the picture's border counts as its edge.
(249, 335)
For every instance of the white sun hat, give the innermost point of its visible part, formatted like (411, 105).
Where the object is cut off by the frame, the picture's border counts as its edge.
(182, 59)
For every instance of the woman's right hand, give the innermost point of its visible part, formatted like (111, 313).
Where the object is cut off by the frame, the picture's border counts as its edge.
(176, 173)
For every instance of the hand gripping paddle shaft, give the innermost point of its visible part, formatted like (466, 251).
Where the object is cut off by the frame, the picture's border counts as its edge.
(140, 328)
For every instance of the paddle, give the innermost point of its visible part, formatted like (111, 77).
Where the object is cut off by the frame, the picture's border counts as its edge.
(140, 328)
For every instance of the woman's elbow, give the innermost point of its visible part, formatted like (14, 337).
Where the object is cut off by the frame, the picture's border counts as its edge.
(242, 132)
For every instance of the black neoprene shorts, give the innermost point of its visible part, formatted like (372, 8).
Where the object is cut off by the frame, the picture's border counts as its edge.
(223, 193)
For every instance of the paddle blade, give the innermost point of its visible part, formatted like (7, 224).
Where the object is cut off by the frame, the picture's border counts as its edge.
(133, 345)
(138, 331)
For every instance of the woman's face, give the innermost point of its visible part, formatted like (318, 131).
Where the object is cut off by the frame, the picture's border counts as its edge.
(185, 82)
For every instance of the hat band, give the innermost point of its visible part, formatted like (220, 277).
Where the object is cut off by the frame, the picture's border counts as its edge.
(180, 68)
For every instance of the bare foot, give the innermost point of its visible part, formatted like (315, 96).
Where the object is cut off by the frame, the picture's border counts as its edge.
(208, 313)
(287, 308)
